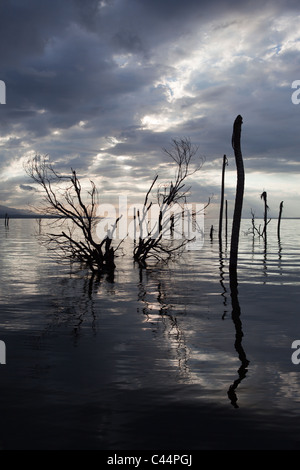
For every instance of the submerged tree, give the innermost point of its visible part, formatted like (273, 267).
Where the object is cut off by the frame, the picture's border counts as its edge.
(254, 229)
(156, 226)
(73, 230)
(261, 232)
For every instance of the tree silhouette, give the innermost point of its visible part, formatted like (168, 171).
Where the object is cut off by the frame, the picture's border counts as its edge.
(152, 242)
(74, 219)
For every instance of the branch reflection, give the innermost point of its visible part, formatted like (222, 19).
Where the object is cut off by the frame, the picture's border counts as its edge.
(75, 302)
(159, 312)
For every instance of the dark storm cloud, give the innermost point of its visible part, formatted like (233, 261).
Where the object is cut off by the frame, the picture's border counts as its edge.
(126, 41)
(27, 26)
(26, 187)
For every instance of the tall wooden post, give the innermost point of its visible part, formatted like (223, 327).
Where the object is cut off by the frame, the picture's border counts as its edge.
(236, 144)
(222, 197)
(226, 220)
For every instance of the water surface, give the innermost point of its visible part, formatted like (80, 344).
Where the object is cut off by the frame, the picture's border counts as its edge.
(151, 359)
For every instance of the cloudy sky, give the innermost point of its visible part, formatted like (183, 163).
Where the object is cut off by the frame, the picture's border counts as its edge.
(102, 86)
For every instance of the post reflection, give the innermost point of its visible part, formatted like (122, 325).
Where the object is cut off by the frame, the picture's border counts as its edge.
(222, 279)
(265, 267)
(236, 318)
(279, 256)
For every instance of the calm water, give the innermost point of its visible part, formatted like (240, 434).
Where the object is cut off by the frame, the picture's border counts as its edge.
(153, 360)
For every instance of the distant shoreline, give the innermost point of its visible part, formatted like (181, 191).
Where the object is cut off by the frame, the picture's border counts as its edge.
(11, 217)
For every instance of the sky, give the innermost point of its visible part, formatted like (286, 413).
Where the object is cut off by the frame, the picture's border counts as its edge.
(103, 86)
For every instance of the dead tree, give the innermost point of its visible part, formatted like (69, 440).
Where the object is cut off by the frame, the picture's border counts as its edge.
(153, 237)
(73, 220)
(261, 232)
(254, 229)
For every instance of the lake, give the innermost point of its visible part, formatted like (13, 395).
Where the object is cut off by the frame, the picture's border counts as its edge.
(152, 359)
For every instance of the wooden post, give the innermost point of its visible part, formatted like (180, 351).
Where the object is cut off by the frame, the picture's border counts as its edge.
(226, 220)
(225, 162)
(266, 208)
(236, 144)
(279, 219)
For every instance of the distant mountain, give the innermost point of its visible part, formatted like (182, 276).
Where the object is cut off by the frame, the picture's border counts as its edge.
(15, 213)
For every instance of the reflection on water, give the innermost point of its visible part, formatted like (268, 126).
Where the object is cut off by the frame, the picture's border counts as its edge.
(159, 314)
(222, 279)
(236, 317)
(94, 359)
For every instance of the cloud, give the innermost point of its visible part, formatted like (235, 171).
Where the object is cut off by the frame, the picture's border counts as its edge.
(102, 88)
(26, 187)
